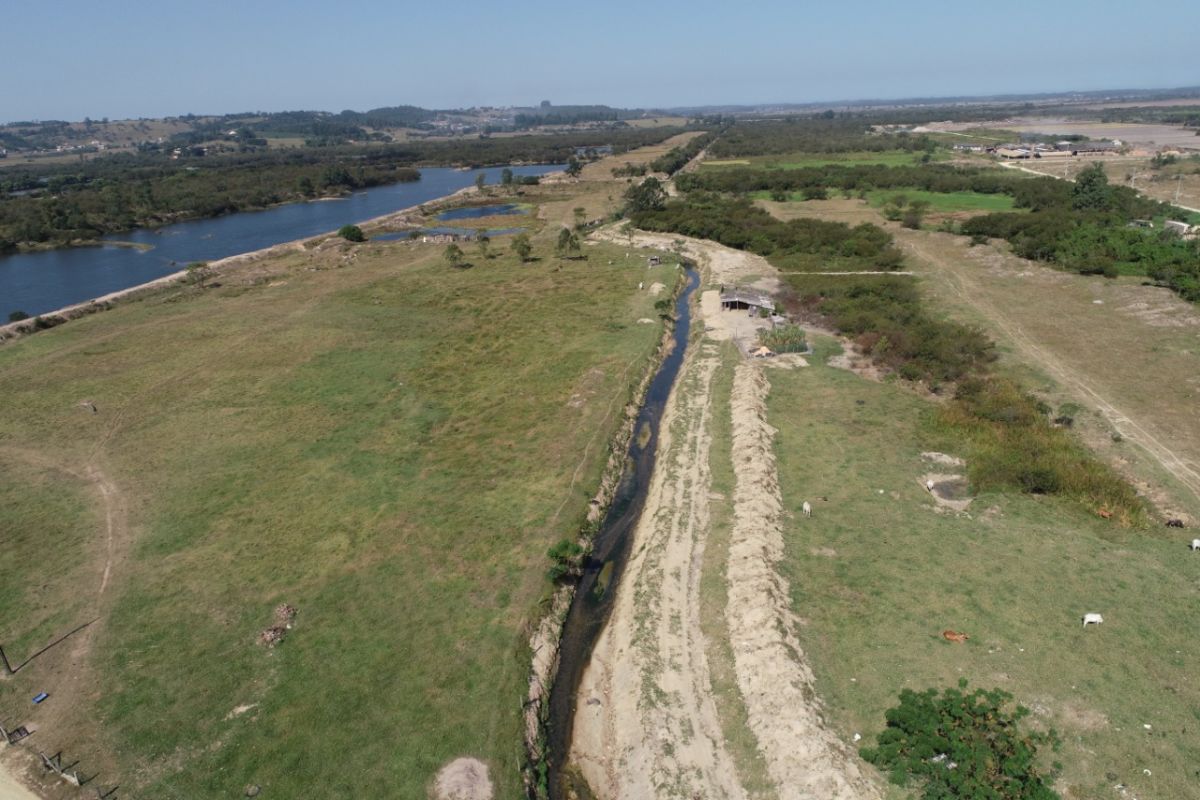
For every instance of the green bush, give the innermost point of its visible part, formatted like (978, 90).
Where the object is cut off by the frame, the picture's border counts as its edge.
(351, 233)
(787, 339)
(566, 557)
(960, 745)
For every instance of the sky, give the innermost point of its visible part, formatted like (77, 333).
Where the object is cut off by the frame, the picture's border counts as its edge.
(135, 58)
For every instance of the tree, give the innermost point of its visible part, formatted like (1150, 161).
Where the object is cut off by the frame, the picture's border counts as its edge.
(506, 177)
(649, 195)
(568, 244)
(1091, 192)
(521, 247)
(574, 167)
(453, 255)
(17, 316)
(351, 233)
(480, 180)
(484, 240)
(305, 186)
(580, 215)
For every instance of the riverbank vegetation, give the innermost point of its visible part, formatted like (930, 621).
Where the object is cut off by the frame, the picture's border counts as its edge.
(71, 202)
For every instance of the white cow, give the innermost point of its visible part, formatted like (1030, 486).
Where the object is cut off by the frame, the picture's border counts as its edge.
(929, 485)
(1196, 544)
(807, 509)
(1092, 619)
(641, 285)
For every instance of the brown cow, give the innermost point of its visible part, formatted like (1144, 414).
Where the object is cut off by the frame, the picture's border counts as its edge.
(951, 636)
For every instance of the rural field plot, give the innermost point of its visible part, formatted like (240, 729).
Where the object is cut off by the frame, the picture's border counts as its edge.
(887, 158)
(381, 442)
(879, 571)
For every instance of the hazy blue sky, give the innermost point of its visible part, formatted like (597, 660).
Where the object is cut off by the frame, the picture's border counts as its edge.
(127, 58)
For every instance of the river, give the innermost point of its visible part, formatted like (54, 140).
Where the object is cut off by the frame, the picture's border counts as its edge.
(610, 548)
(44, 281)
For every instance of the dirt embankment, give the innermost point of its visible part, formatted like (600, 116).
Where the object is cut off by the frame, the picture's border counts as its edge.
(647, 725)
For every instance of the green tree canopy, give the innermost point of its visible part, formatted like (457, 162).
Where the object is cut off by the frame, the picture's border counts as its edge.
(522, 247)
(1092, 192)
(649, 195)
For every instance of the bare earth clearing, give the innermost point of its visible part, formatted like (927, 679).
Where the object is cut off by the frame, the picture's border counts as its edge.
(647, 724)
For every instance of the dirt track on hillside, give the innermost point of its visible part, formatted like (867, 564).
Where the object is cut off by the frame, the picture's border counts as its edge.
(647, 725)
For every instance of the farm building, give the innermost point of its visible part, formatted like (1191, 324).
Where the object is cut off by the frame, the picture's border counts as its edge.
(746, 299)
(1089, 148)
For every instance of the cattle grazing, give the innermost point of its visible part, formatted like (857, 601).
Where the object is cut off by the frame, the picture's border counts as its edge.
(952, 636)
(641, 285)
(1195, 544)
(1174, 523)
(807, 509)
(1092, 619)
(929, 485)
(1104, 512)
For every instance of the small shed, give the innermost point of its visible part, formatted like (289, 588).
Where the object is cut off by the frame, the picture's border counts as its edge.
(746, 299)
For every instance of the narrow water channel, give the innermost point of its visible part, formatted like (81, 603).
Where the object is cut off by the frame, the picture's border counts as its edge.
(602, 574)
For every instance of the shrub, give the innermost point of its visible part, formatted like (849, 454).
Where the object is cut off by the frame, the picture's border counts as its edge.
(960, 745)
(566, 557)
(17, 316)
(787, 339)
(351, 233)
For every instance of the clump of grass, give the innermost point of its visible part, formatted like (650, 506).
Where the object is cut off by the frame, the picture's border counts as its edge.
(1015, 446)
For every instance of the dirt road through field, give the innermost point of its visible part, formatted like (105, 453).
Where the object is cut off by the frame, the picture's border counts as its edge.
(1147, 430)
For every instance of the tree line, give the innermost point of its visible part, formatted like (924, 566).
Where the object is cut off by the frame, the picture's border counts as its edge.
(1090, 226)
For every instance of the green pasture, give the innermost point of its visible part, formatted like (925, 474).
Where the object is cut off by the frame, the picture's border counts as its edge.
(877, 573)
(385, 442)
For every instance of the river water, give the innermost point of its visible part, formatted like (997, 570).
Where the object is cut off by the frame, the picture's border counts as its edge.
(39, 282)
(610, 548)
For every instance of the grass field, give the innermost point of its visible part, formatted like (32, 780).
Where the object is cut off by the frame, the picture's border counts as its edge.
(890, 158)
(380, 440)
(939, 202)
(877, 576)
(945, 202)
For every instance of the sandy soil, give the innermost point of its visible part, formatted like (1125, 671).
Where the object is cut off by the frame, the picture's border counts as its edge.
(464, 779)
(647, 725)
(10, 787)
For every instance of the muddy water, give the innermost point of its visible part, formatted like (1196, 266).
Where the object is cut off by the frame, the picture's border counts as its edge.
(602, 574)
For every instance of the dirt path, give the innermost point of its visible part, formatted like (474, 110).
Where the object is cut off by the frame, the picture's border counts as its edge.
(647, 725)
(1139, 431)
